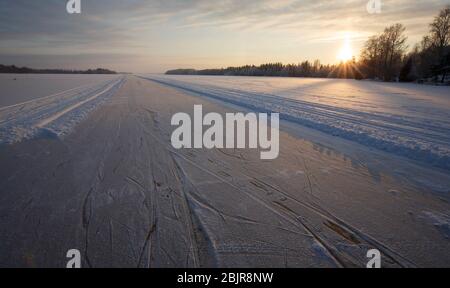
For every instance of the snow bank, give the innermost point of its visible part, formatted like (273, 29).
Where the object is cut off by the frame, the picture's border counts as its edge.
(55, 115)
(410, 121)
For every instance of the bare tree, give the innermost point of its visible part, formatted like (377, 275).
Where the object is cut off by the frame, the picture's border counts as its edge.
(371, 56)
(440, 37)
(440, 31)
(382, 54)
(394, 47)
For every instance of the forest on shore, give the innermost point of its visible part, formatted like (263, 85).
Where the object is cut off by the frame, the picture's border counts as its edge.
(26, 70)
(384, 56)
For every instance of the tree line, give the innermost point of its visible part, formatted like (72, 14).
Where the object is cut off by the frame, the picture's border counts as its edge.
(303, 69)
(26, 70)
(384, 56)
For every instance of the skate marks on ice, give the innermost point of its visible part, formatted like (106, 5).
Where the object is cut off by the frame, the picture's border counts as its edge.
(115, 189)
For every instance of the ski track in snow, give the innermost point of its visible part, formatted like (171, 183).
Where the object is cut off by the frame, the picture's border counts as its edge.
(419, 128)
(53, 115)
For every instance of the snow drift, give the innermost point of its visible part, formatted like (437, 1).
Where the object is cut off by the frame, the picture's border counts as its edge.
(407, 120)
(54, 115)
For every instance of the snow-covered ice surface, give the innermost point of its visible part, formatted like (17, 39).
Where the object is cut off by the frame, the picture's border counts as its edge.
(51, 115)
(440, 221)
(116, 189)
(18, 88)
(405, 119)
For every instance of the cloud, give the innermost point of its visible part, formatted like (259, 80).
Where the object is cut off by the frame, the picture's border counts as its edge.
(155, 27)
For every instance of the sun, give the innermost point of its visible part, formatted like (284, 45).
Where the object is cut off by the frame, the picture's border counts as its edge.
(346, 52)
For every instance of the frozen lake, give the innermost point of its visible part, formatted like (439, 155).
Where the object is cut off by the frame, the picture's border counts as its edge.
(92, 168)
(406, 119)
(18, 88)
(49, 104)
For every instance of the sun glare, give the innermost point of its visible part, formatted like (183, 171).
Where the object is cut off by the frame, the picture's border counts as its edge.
(346, 52)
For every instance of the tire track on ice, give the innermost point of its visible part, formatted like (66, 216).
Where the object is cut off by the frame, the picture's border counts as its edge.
(53, 115)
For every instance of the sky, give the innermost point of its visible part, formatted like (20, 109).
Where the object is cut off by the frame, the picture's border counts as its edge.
(151, 36)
